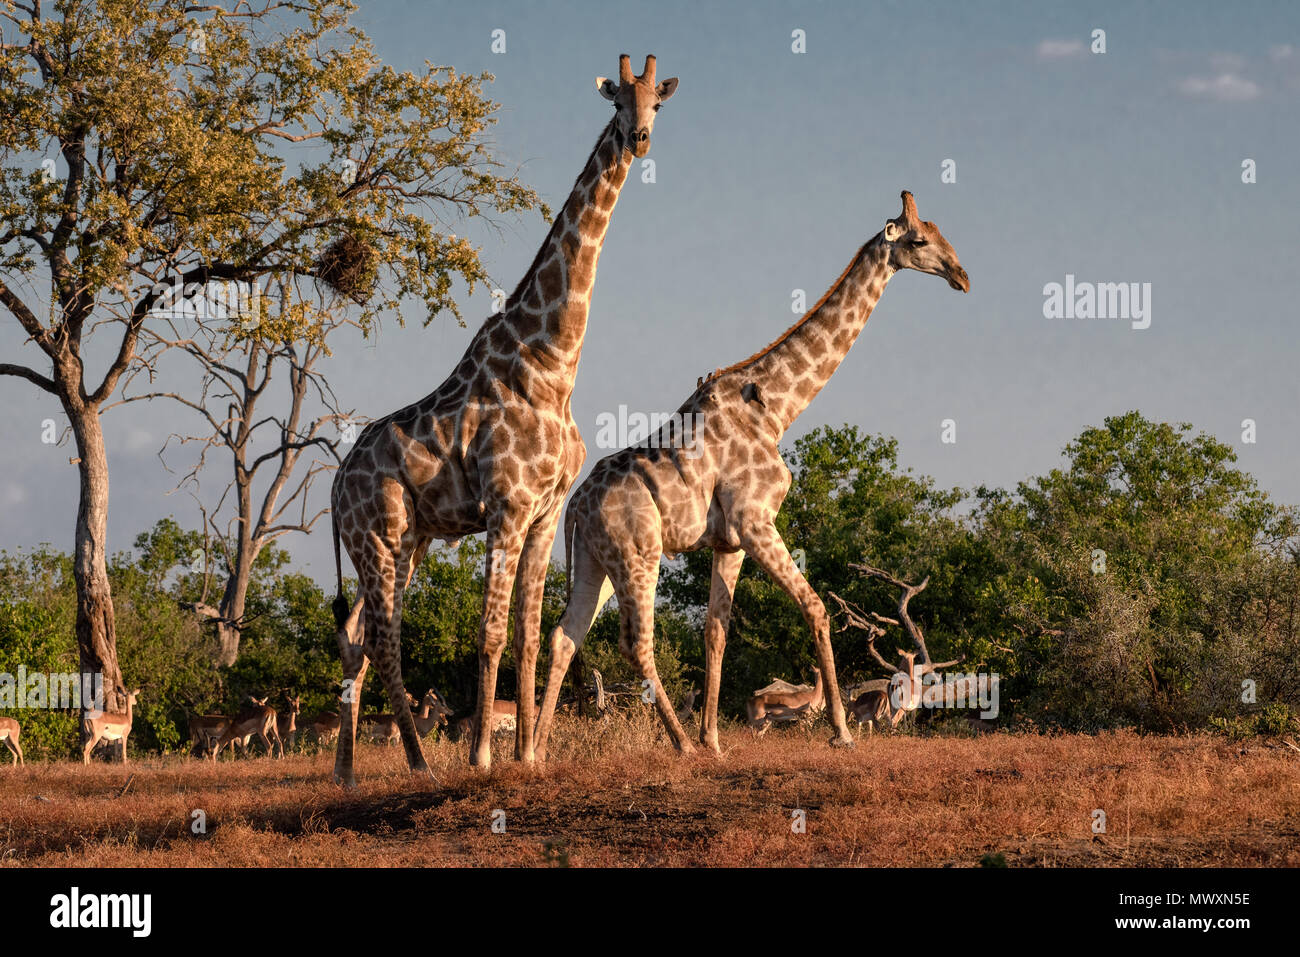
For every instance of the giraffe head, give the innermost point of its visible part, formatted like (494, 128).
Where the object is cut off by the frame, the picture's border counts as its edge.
(919, 245)
(636, 101)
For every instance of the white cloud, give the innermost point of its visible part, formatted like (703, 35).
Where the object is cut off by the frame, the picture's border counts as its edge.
(1283, 51)
(1224, 87)
(1059, 49)
(1227, 62)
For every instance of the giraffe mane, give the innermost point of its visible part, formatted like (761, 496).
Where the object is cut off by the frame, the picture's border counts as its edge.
(808, 314)
(555, 224)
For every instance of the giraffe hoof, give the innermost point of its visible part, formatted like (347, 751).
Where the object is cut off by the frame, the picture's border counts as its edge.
(843, 743)
(347, 782)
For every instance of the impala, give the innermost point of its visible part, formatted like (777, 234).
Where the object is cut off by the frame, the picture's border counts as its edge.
(384, 727)
(503, 718)
(206, 730)
(256, 720)
(109, 726)
(782, 701)
(9, 735)
(432, 714)
(870, 708)
(688, 704)
(326, 726)
(286, 725)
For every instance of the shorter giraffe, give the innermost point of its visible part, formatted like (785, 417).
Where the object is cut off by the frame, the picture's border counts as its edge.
(722, 486)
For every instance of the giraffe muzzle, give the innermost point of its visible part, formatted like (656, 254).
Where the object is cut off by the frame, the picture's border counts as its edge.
(958, 279)
(641, 141)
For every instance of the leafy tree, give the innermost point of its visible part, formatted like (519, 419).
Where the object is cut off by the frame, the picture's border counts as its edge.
(1123, 570)
(177, 164)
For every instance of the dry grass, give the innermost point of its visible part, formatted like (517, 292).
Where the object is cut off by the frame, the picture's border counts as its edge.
(615, 795)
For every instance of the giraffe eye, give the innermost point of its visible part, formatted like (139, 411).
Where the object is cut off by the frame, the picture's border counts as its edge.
(657, 105)
(617, 107)
(917, 243)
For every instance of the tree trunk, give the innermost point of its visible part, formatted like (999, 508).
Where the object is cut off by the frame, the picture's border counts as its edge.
(96, 635)
(232, 610)
(245, 554)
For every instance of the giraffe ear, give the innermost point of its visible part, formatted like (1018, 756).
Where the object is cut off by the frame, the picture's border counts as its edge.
(666, 89)
(892, 231)
(608, 88)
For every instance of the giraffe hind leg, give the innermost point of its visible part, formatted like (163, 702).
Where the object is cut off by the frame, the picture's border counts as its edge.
(726, 569)
(350, 636)
(591, 589)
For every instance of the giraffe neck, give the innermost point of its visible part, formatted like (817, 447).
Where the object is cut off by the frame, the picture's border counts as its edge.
(548, 310)
(791, 371)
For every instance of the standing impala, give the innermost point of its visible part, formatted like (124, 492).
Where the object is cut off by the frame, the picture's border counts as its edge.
(384, 727)
(109, 726)
(326, 726)
(9, 735)
(206, 730)
(286, 725)
(256, 720)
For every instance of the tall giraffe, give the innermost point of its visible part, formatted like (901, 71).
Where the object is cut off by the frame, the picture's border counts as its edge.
(714, 478)
(494, 448)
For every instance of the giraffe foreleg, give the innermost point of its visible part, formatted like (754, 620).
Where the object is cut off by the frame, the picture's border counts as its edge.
(505, 540)
(530, 584)
(765, 546)
(726, 569)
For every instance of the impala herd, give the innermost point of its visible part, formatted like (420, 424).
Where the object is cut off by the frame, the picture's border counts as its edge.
(210, 734)
(881, 703)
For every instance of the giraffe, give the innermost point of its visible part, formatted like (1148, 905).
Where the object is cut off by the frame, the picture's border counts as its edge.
(713, 477)
(493, 449)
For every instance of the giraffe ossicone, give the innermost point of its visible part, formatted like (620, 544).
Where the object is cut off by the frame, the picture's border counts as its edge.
(493, 449)
(650, 500)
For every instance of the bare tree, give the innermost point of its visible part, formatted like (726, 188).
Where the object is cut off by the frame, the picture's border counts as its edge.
(236, 372)
(912, 673)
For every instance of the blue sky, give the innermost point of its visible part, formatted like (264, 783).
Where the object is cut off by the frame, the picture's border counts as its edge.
(772, 167)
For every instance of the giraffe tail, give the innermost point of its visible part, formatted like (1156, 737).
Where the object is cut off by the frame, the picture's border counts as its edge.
(570, 520)
(340, 606)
